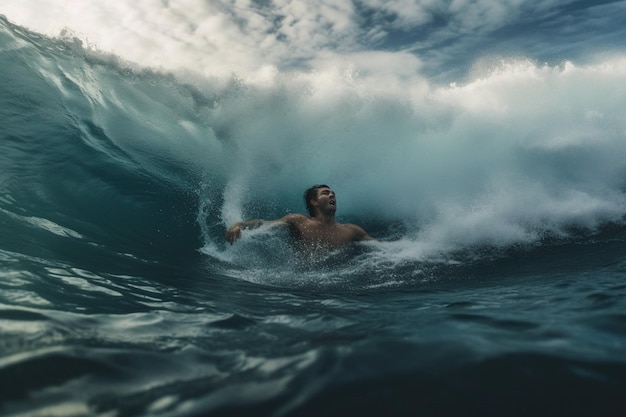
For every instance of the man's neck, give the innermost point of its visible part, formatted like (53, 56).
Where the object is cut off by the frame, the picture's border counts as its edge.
(326, 219)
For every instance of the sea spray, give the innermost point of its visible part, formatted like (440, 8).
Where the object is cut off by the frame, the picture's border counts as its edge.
(522, 152)
(519, 152)
(496, 286)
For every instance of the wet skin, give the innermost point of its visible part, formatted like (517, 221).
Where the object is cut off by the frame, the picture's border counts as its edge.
(311, 233)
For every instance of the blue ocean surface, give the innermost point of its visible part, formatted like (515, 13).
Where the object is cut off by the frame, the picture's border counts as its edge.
(496, 189)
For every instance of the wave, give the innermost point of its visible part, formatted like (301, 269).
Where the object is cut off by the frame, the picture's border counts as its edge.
(103, 151)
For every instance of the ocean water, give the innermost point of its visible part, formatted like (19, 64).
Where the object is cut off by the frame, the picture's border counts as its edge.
(496, 190)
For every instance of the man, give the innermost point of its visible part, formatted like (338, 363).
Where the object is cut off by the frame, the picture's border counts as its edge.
(318, 231)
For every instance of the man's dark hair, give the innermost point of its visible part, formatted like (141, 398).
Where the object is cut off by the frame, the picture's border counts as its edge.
(311, 194)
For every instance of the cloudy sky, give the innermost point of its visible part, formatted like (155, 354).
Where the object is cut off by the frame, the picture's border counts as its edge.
(439, 38)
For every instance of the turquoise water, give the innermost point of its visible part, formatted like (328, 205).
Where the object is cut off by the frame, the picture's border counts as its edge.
(497, 286)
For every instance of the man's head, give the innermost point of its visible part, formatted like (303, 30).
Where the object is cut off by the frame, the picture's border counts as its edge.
(311, 194)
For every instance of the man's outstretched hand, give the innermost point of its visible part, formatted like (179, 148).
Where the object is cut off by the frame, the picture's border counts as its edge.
(233, 233)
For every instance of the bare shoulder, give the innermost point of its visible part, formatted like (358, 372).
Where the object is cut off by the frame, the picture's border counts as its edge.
(358, 233)
(294, 219)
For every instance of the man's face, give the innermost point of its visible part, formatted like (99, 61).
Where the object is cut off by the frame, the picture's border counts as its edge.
(326, 200)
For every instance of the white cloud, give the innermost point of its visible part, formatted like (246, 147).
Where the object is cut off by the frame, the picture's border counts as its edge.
(245, 37)
(404, 14)
(218, 37)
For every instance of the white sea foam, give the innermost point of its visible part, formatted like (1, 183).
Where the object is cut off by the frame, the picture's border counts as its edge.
(517, 153)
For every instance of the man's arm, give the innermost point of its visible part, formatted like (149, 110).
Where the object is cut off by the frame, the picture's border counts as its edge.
(234, 232)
